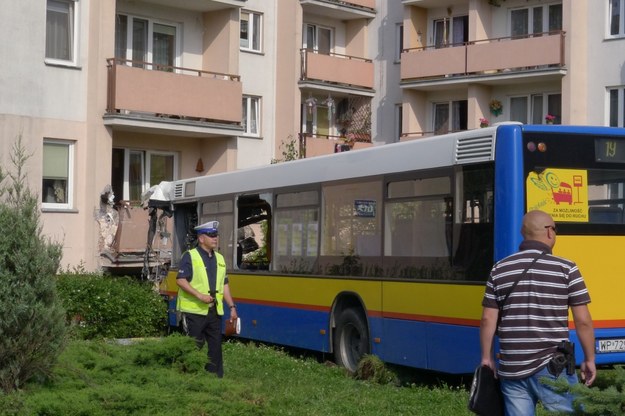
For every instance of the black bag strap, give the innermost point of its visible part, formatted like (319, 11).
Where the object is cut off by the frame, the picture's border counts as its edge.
(505, 299)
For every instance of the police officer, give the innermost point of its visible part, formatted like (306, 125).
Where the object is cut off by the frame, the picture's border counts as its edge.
(202, 289)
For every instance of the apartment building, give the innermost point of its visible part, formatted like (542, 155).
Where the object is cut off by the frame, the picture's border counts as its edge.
(501, 60)
(119, 95)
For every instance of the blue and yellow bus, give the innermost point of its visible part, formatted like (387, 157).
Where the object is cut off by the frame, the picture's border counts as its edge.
(386, 250)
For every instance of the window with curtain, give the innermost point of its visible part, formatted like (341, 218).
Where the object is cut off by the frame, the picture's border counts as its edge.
(450, 116)
(57, 181)
(135, 171)
(535, 20)
(132, 41)
(251, 29)
(318, 39)
(535, 107)
(61, 30)
(164, 46)
(451, 31)
(251, 115)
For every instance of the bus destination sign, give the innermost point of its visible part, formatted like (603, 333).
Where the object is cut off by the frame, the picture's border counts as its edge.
(609, 150)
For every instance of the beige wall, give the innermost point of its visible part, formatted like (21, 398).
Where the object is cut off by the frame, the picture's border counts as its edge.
(221, 37)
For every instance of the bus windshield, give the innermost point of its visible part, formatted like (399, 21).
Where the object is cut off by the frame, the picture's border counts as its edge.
(574, 182)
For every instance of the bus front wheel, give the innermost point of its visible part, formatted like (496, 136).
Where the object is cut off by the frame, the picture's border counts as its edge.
(351, 339)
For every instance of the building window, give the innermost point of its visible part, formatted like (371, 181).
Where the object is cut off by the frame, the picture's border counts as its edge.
(399, 121)
(135, 171)
(318, 39)
(533, 109)
(58, 172)
(451, 31)
(617, 17)
(251, 115)
(251, 30)
(535, 20)
(399, 35)
(450, 116)
(145, 41)
(617, 107)
(61, 31)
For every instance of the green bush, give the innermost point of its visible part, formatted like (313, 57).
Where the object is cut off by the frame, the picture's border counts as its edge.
(111, 307)
(32, 329)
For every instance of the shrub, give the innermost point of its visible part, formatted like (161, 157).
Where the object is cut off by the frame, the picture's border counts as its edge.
(111, 307)
(32, 329)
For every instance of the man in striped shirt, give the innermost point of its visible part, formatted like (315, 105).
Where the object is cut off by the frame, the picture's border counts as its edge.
(533, 320)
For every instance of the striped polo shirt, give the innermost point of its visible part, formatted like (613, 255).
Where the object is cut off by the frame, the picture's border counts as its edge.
(535, 317)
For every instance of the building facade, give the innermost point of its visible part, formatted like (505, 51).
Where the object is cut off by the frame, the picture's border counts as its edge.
(112, 97)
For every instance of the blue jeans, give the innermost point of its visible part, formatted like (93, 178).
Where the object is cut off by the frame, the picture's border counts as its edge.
(521, 396)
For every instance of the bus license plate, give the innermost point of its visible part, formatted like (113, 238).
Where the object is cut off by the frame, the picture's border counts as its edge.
(612, 345)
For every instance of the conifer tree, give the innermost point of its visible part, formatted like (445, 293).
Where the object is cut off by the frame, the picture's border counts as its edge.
(32, 326)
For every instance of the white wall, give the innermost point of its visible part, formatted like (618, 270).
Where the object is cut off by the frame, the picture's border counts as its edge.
(258, 75)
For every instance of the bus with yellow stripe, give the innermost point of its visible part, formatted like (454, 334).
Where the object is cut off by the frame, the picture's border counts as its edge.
(386, 250)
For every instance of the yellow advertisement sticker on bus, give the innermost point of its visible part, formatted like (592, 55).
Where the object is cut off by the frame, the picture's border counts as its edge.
(562, 193)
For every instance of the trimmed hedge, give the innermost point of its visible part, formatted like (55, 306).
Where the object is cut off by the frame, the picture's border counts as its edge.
(111, 307)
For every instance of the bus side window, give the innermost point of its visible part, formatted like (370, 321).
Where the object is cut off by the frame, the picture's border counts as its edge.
(253, 232)
(473, 228)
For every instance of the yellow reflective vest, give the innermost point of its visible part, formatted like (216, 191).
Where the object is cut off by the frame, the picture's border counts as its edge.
(189, 303)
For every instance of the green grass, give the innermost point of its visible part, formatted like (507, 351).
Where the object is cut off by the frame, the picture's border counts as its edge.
(166, 377)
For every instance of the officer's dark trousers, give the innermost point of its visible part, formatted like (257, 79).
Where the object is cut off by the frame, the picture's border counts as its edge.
(206, 329)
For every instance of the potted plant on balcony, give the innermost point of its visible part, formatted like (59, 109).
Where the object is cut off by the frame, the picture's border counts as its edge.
(344, 120)
(550, 119)
(495, 107)
(484, 122)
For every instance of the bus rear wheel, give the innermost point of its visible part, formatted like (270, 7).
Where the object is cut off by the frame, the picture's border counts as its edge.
(351, 340)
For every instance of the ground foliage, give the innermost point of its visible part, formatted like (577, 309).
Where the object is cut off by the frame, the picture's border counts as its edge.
(166, 377)
(111, 306)
(32, 328)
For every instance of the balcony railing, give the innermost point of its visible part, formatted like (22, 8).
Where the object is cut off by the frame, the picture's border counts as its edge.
(337, 69)
(340, 9)
(312, 145)
(166, 91)
(484, 56)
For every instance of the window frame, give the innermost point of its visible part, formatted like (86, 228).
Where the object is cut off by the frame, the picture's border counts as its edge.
(254, 19)
(451, 120)
(399, 39)
(530, 29)
(71, 144)
(315, 41)
(530, 107)
(620, 106)
(74, 33)
(145, 156)
(449, 27)
(621, 19)
(149, 47)
(246, 120)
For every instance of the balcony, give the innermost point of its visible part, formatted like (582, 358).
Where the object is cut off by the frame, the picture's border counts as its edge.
(200, 5)
(147, 96)
(337, 70)
(340, 9)
(541, 55)
(312, 145)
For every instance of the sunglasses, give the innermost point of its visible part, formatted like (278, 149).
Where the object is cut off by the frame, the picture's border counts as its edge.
(212, 234)
(553, 227)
